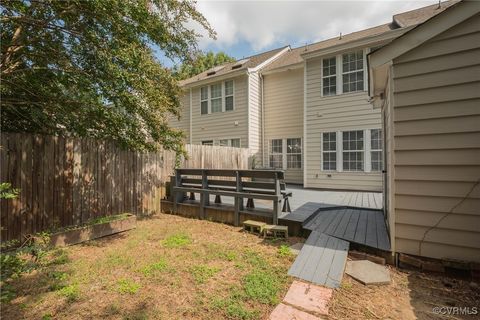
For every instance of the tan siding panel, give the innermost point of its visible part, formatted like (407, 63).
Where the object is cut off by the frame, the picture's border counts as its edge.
(437, 204)
(437, 188)
(438, 110)
(435, 126)
(438, 235)
(428, 219)
(438, 79)
(438, 251)
(438, 157)
(467, 140)
(438, 173)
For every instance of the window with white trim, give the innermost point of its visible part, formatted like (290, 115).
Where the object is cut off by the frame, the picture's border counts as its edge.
(376, 149)
(294, 153)
(230, 143)
(228, 95)
(352, 71)
(218, 97)
(329, 76)
(204, 100)
(207, 142)
(329, 151)
(276, 153)
(353, 150)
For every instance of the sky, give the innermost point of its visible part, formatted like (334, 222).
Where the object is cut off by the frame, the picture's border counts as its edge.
(245, 28)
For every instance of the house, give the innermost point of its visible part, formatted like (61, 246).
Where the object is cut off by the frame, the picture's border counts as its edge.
(427, 85)
(305, 110)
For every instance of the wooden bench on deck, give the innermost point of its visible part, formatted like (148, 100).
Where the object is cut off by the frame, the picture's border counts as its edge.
(240, 186)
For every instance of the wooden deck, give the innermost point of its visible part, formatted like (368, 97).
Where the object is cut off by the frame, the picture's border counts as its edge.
(366, 227)
(322, 260)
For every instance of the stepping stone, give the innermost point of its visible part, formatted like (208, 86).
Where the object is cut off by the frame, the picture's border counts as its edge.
(367, 272)
(284, 312)
(309, 297)
(295, 248)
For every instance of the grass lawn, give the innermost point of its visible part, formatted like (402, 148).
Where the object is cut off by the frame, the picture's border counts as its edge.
(169, 267)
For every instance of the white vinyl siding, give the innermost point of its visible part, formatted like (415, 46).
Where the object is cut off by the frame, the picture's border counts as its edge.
(183, 123)
(336, 113)
(222, 125)
(283, 111)
(436, 149)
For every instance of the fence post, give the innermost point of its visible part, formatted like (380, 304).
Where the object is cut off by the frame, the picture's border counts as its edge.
(204, 196)
(238, 200)
(177, 196)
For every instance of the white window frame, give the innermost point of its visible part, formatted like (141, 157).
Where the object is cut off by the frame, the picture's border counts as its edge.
(330, 76)
(354, 71)
(207, 144)
(329, 151)
(362, 151)
(222, 97)
(339, 73)
(293, 153)
(376, 150)
(229, 142)
(367, 151)
(284, 152)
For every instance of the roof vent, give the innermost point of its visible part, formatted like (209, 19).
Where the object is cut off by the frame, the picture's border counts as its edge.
(214, 70)
(239, 63)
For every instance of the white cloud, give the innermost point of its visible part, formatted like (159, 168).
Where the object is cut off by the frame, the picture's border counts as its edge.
(263, 24)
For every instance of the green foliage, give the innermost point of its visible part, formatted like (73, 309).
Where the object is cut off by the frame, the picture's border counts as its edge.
(177, 240)
(284, 251)
(154, 268)
(262, 286)
(201, 273)
(7, 192)
(106, 219)
(234, 309)
(70, 292)
(88, 68)
(47, 316)
(127, 286)
(7, 293)
(202, 62)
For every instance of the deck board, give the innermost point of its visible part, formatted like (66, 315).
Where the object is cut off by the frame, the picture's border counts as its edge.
(322, 261)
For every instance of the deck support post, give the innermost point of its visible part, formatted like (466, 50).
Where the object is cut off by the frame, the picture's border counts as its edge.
(238, 201)
(204, 196)
(276, 202)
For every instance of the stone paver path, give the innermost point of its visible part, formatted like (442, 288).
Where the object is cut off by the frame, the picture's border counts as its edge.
(303, 301)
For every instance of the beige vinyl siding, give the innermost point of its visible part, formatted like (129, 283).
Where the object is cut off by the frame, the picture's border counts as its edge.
(284, 112)
(221, 125)
(255, 117)
(184, 122)
(344, 112)
(437, 146)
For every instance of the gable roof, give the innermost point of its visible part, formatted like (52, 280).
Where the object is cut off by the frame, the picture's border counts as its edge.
(239, 66)
(401, 22)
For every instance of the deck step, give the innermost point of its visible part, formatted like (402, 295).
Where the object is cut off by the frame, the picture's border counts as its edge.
(322, 260)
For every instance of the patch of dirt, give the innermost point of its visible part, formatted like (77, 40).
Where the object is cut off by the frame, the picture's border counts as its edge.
(411, 295)
(134, 275)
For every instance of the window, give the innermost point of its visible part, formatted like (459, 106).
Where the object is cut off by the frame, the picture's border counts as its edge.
(329, 76)
(329, 153)
(204, 100)
(294, 153)
(230, 143)
(376, 149)
(276, 153)
(229, 95)
(353, 150)
(216, 97)
(352, 71)
(207, 143)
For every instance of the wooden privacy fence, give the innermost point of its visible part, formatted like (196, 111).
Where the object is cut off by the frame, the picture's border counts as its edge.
(68, 181)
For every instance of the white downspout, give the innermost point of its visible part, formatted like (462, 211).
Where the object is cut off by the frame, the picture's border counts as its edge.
(263, 118)
(191, 120)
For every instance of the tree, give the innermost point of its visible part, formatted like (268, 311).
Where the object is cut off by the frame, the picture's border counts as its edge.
(87, 68)
(201, 63)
